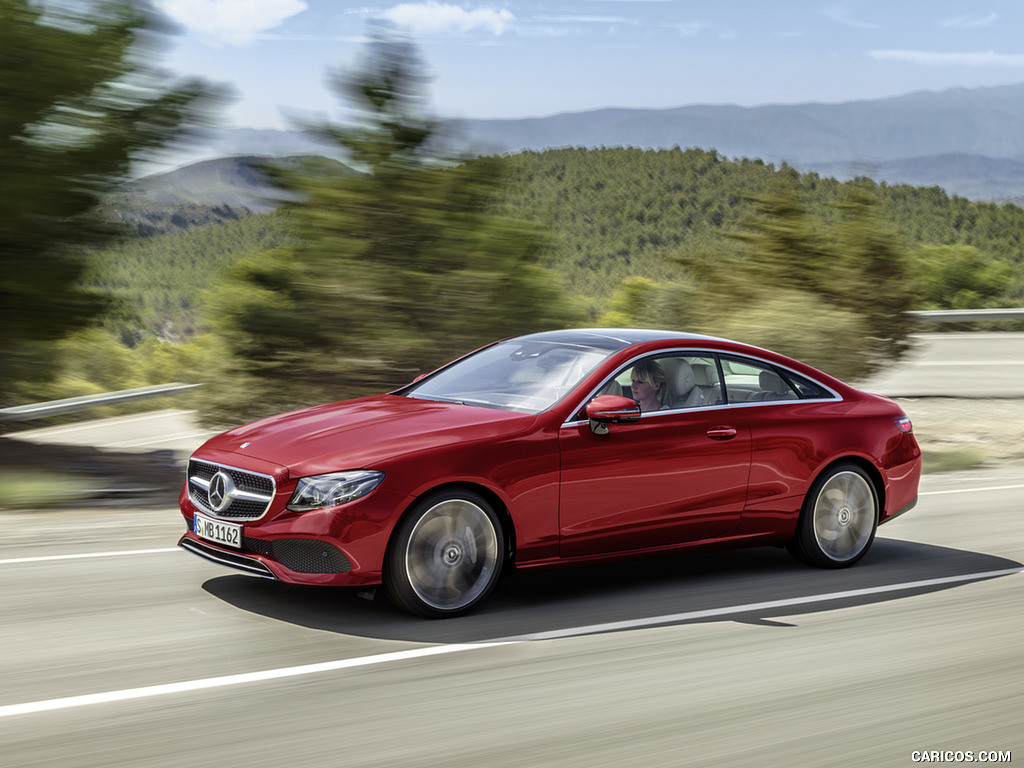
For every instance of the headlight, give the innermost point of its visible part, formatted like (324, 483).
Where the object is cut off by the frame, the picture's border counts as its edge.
(322, 491)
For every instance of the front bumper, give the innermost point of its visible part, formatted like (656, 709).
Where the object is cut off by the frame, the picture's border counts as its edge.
(295, 561)
(343, 546)
(238, 560)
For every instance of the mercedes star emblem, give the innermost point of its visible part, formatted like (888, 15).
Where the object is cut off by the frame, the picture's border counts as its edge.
(221, 490)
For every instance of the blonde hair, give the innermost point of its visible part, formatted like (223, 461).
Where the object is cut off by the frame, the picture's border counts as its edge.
(650, 370)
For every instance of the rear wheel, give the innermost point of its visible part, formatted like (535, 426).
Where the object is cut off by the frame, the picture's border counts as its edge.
(839, 518)
(446, 556)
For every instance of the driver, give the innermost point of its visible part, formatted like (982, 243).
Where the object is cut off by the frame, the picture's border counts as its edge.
(649, 386)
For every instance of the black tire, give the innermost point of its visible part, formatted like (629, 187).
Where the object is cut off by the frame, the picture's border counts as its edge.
(839, 518)
(446, 555)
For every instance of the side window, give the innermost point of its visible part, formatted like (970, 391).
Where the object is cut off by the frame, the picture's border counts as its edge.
(705, 376)
(807, 389)
(751, 381)
(668, 382)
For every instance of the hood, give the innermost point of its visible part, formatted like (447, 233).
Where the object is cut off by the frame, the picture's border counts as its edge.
(363, 433)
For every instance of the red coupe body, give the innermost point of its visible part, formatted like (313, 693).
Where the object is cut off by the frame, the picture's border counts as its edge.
(733, 460)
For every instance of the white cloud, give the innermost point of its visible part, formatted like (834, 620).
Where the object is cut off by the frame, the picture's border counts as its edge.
(983, 59)
(966, 22)
(433, 18)
(234, 21)
(842, 16)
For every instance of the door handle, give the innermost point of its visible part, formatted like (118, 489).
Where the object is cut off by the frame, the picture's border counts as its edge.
(722, 433)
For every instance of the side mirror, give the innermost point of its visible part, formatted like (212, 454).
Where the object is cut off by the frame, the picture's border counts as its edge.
(611, 409)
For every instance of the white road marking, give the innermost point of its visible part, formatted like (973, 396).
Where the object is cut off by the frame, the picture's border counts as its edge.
(964, 363)
(126, 694)
(68, 702)
(86, 555)
(226, 680)
(972, 490)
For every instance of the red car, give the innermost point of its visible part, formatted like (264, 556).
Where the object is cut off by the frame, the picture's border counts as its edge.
(548, 449)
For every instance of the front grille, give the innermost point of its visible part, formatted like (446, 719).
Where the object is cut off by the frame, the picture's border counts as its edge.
(248, 494)
(301, 555)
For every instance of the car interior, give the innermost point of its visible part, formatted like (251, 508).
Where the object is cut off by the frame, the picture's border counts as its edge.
(695, 382)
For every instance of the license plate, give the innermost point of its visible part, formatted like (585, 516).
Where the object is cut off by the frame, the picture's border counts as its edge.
(228, 534)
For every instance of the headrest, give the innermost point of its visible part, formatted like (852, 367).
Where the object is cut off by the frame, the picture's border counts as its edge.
(684, 381)
(702, 375)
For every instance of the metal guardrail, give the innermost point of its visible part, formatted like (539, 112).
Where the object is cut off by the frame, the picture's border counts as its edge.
(75, 404)
(967, 315)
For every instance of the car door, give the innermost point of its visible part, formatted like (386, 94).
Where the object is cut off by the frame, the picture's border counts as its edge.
(677, 475)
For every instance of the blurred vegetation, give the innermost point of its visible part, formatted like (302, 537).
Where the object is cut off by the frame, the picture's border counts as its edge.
(37, 489)
(390, 272)
(952, 460)
(676, 239)
(78, 103)
(963, 277)
(830, 292)
(961, 253)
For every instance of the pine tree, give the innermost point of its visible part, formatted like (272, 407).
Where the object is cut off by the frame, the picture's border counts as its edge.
(879, 287)
(78, 103)
(398, 268)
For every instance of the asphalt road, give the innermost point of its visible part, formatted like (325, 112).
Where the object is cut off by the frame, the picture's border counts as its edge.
(118, 650)
(172, 430)
(962, 365)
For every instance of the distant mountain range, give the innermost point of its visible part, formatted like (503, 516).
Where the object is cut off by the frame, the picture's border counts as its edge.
(207, 192)
(982, 121)
(972, 176)
(970, 142)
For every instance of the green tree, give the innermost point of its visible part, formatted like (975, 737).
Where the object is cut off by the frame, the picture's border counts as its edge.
(958, 277)
(398, 268)
(78, 104)
(832, 294)
(784, 243)
(877, 267)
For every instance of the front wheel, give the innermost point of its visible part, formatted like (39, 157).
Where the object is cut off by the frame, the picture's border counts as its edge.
(838, 520)
(446, 556)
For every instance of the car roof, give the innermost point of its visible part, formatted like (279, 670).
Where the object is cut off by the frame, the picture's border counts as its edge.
(614, 338)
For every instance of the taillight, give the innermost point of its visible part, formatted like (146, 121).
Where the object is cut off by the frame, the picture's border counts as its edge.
(903, 424)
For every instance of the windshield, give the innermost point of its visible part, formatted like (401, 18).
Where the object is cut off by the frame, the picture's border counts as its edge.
(518, 375)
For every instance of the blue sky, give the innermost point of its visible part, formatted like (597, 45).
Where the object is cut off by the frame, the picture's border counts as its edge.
(531, 59)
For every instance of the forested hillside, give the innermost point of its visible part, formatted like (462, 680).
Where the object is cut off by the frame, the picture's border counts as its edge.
(159, 280)
(614, 214)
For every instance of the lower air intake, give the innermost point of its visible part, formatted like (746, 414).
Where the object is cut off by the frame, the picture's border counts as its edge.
(301, 555)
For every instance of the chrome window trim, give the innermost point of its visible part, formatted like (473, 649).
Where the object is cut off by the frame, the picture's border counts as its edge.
(204, 507)
(698, 352)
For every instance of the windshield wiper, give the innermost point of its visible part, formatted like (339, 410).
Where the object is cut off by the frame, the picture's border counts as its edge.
(438, 398)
